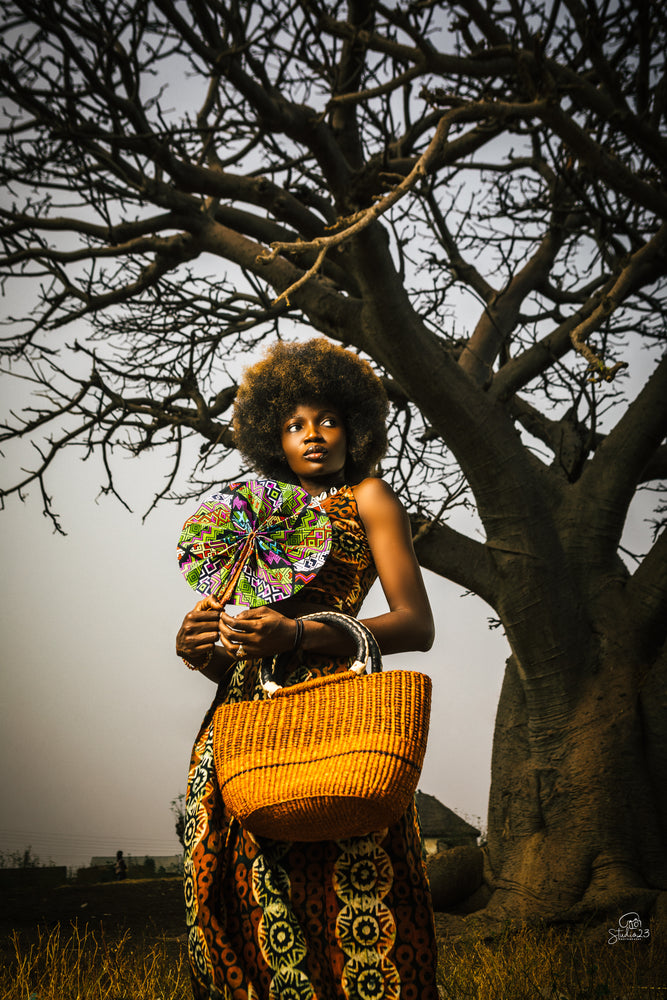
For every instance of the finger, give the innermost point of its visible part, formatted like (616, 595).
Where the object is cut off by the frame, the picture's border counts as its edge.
(195, 647)
(207, 636)
(210, 602)
(236, 650)
(252, 614)
(232, 623)
(203, 616)
(233, 637)
(199, 650)
(231, 640)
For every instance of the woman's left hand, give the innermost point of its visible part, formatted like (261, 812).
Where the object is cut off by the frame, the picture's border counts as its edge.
(256, 632)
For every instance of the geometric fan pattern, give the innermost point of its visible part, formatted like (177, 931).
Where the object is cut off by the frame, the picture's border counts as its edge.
(254, 542)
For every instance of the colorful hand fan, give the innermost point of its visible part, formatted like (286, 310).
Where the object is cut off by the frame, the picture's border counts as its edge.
(255, 542)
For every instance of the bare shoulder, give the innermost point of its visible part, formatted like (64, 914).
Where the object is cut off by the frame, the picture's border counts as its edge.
(376, 499)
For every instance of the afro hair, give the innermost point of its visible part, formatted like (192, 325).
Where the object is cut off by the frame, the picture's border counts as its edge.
(291, 374)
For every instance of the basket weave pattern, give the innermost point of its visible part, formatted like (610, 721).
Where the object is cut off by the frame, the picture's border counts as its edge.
(327, 759)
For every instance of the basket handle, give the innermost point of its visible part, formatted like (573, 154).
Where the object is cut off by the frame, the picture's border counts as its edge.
(366, 649)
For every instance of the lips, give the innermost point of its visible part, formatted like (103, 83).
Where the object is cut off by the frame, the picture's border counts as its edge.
(316, 451)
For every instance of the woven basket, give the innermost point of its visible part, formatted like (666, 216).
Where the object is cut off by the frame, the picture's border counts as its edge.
(331, 758)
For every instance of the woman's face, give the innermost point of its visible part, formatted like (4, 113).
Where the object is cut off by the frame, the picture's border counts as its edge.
(314, 443)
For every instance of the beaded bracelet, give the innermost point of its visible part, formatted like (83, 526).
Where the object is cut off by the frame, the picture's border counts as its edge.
(201, 666)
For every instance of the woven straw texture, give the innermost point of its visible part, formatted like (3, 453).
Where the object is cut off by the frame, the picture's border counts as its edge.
(327, 759)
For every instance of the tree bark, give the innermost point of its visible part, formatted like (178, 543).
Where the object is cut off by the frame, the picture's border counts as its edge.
(577, 820)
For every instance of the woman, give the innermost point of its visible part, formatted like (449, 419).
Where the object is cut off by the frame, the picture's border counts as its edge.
(309, 921)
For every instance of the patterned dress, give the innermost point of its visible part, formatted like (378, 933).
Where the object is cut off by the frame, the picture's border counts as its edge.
(348, 920)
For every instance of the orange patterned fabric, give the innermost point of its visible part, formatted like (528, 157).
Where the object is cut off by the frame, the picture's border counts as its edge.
(348, 920)
(349, 571)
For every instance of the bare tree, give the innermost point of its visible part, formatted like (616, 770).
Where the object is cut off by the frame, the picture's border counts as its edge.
(187, 177)
(177, 806)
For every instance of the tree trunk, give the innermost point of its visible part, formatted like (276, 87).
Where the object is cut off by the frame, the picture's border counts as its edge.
(578, 809)
(577, 812)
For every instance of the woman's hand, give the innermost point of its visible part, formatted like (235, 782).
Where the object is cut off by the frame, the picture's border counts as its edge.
(256, 632)
(199, 631)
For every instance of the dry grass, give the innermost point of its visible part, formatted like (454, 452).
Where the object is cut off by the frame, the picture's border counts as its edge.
(529, 963)
(521, 963)
(79, 964)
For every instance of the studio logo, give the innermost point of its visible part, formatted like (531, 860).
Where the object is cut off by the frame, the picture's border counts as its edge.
(629, 929)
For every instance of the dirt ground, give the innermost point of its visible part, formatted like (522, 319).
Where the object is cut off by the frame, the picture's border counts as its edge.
(146, 907)
(150, 908)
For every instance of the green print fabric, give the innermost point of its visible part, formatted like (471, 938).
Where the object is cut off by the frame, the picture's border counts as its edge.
(255, 542)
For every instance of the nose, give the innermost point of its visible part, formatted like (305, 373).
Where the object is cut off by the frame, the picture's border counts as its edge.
(313, 433)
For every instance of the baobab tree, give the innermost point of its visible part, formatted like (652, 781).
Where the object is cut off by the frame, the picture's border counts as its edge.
(472, 196)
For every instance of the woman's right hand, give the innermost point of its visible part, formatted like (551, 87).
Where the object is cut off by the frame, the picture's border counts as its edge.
(199, 631)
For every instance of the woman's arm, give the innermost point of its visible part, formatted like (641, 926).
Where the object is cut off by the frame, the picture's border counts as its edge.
(409, 623)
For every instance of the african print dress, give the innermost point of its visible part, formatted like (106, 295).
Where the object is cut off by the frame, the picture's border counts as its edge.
(348, 920)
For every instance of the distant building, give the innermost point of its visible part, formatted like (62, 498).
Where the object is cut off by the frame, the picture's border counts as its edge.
(442, 828)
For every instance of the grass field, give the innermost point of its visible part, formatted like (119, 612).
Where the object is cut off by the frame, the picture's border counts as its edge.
(130, 946)
(75, 963)
(533, 963)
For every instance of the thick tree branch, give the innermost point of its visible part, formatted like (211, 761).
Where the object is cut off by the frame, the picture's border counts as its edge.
(327, 309)
(656, 467)
(447, 552)
(350, 72)
(609, 481)
(502, 310)
(567, 438)
(647, 591)
(539, 358)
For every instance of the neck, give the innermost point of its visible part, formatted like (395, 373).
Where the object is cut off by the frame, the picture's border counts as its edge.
(317, 486)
